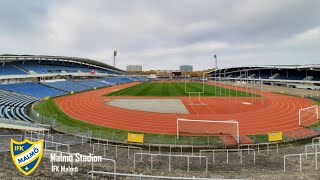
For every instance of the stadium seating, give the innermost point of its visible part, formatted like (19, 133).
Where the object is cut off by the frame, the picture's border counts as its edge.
(32, 89)
(68, 86)
(8, 69)
(36, 67)
(133, 79)
(57, 67)
(118, 80)
(142, 79)
(92, 83)
(14, 106)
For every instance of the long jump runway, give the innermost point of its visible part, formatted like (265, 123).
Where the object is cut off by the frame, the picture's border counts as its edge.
(279, 112)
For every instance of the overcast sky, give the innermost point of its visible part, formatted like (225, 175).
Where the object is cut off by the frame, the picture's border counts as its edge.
(163, 34)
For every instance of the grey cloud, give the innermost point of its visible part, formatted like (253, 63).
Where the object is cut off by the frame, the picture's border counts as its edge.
(164, 34)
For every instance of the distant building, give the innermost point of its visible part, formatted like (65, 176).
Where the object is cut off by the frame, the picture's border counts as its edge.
(176, 73)
(134, 68)
(165, 71)
(186, 68)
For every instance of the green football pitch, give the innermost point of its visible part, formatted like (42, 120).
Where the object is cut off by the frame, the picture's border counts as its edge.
(176, 89)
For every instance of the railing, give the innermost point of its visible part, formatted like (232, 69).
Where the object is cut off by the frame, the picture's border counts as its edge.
(24, 123)
(147, 176)
(43, 119)
(56, 145)
(92, 162)
(315, 139)
(170, 156)
(106, 159)
(116, 147)
(38, 134)
(228, 150)
(9, 136)
(258, 145)
(300, 160)
(314, 146)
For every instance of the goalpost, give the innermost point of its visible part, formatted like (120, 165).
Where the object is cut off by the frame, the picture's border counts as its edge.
(208, 127)
(194, 92)
(309, 115)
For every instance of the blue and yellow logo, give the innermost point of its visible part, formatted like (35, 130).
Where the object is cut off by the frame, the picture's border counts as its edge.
(26, 155)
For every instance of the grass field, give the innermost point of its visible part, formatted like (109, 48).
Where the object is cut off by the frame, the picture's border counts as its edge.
(176, 89)
(64, 122)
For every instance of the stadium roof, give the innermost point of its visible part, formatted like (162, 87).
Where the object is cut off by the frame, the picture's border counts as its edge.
(302, 67)
(90, 62)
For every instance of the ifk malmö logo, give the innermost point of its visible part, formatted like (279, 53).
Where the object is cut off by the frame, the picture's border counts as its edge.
(26, 155)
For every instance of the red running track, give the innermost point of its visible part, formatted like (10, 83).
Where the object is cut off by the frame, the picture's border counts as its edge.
(280, 112)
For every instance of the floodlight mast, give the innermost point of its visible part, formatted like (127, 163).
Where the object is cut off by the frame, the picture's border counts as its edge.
(216, 61)
(215, 73)
(114, 58)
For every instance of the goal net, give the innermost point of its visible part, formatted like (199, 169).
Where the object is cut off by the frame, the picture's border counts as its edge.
(208, 127)
(194, 97)
(309, 115)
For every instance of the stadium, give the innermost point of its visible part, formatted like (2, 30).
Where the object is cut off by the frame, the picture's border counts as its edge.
(155, 90)
(192, 128)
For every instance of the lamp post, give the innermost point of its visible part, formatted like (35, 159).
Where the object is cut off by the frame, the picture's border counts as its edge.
(216, 61)
(114, 58)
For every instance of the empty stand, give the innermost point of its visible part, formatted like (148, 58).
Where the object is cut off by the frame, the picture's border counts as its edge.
(32, 89)
(118, 80)
(9, 69)
(68, 86)
(14, 106)
(92, 83)
(37, 67)
(45, 67)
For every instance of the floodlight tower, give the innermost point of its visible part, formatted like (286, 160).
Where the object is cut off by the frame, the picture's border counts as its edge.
(215, 61)
(114, 58)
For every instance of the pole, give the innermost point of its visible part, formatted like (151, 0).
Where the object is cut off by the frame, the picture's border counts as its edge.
(229, 82)
(215, 74)
(114, 58)
(219, 81)
(299, 117)
(216, 61)
(203, 82)
(238, 133)
(225, 77)
(215, 79)
(185, 83)
(251, 92)
(177, 128)
(262, 96)
(317, 111)
(254, 91)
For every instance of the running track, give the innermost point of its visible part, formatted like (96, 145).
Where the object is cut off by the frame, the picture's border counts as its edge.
(280, 112)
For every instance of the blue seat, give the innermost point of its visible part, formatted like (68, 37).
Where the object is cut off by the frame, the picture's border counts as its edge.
(9, 69)
(91, 83)
(6, 112)
(12, 112)
(24, 114)
(68, 86)
(32, 89)
(1, 112)
(18, 109)
(117, 80)
(44, 67)
(13, 105)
